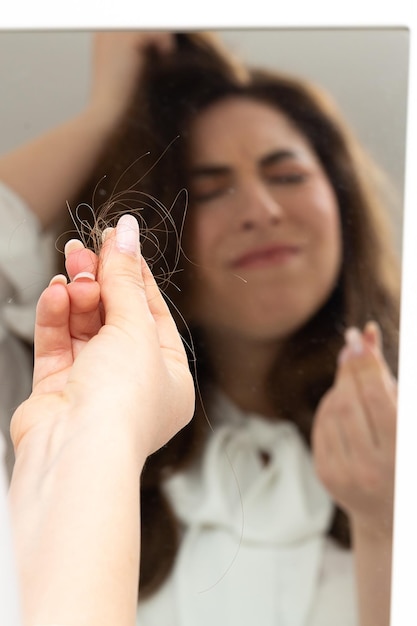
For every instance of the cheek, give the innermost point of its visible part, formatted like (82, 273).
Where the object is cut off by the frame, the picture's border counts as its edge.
(330, 255)
(203, 233)
(200, 244)
(322, 220)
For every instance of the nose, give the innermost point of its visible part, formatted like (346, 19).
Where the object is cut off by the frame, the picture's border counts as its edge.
(257, 206)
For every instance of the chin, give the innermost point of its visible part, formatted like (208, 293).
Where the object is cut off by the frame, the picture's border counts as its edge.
(266, 330)
(272, 318)
(273, 328)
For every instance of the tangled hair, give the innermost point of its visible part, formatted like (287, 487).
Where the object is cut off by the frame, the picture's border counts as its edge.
(173, 91)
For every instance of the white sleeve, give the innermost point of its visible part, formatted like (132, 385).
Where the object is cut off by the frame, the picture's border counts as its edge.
(26, 266)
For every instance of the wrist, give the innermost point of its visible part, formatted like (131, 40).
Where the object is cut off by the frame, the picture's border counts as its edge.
(377, 531)
(82, 480)
(60, 438)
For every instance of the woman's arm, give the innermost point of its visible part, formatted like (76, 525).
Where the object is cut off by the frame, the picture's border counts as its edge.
(50, 170)
(354, 449)
(111, 385)
(373, 566)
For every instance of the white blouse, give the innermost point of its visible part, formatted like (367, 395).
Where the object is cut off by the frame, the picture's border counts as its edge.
(254, 545)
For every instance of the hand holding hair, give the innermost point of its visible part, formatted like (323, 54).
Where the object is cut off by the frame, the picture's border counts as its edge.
(354, 452)
(354, 432)
(111, 385)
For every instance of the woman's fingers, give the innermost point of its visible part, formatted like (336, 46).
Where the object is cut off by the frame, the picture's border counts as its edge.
(67, 315)
(137, 316)
(343, 443)
(169, 337)
(121, 280)
(79, 260)
(374, 384)
(84, 292)
(85, 315)
(118, 64)
(357, 430)
(135, 299)
(372, 334)
(53, 343)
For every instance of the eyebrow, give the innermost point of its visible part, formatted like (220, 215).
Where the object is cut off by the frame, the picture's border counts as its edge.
(277, 156)
(271, 158)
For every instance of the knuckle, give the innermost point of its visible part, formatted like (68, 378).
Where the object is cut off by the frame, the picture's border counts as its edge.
(342, 407)
(371, 394)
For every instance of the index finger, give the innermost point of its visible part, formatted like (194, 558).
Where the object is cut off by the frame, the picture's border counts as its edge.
(376, 389)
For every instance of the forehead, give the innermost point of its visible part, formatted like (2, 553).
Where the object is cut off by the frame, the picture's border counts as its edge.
(240, 127)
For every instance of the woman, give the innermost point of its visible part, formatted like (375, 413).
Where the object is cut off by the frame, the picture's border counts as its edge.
(283, 221)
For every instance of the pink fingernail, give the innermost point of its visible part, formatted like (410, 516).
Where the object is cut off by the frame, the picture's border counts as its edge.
(106, 232)
(72, 245)
(354, 340)
(83, 276)
(127, 234)
(59, 278)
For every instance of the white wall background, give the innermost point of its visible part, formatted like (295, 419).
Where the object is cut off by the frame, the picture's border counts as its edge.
(44, 78)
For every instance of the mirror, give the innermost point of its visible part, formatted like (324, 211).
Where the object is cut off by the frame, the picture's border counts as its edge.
(383, 136)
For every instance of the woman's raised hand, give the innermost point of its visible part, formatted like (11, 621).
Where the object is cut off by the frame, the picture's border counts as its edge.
(49, 171)
(354, 433)
(118, 58)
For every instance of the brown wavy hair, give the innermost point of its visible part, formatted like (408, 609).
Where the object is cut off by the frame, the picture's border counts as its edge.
(173, 90)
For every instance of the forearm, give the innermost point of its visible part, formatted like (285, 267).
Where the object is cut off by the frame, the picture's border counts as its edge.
(51, 169)
(76, 519)
(373, 564)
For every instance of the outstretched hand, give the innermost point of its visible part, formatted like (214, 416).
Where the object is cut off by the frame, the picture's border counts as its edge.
(354, 433)
(106, 345)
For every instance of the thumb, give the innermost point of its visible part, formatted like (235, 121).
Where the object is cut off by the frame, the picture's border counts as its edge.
(120, 275)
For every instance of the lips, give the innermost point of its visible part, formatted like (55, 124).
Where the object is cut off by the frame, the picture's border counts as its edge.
(275, 254)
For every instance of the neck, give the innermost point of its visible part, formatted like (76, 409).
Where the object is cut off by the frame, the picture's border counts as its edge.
(241, 368)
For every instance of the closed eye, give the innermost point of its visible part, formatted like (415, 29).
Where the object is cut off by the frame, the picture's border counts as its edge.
(288, 179)
(200, 198)
(209, 182)
(206, 196)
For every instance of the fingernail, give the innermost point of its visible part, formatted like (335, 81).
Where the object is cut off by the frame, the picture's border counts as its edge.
(83, 276)
(127, 234)
(59, 278)
(354, 340)
(72, 245)
(106, 232)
